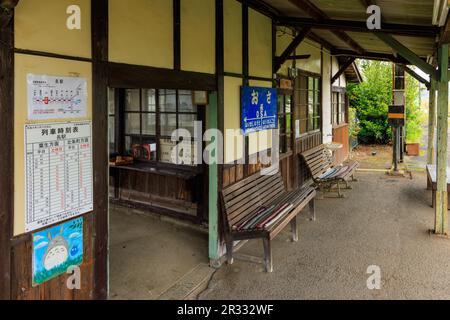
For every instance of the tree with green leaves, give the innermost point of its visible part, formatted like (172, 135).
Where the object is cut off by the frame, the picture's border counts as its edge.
(371, 99)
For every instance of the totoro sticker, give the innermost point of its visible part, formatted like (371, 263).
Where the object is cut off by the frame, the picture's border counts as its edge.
(56, 249)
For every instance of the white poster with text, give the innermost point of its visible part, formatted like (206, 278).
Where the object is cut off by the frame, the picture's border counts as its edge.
(58, 172)
(51, 97)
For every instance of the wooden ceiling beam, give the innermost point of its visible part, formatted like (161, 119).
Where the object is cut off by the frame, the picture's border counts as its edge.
(342, 69)
(262, 7)
(299, 57)
(406, 53)
(276, 15)
(324, 43)
(360, 26)
(369, 55)
(416, 76)
(312, 10)
(279, 61)
(367, 3)
(445, 33)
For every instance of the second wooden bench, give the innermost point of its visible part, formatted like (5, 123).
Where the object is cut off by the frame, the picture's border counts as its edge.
(324, 174)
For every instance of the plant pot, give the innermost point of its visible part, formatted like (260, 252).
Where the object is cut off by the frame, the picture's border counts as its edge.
(413, 149)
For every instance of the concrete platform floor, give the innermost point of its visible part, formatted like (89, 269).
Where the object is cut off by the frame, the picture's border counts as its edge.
(153, 257)
(384, 221)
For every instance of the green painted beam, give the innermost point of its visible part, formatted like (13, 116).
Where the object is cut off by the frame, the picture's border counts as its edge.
(441, 219)
(213, 171)
(431, 157)
(406, 53)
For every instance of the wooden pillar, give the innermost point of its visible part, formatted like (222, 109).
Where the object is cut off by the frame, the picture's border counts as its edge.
(99, 18)
(441, 222)
(432, 123)
(7, 154)
(215, 115)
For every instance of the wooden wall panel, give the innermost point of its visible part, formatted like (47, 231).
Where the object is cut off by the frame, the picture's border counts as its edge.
(161, 192)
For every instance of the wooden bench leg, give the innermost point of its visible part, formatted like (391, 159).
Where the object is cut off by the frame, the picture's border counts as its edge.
(354, 179)
(433, 200)
(229, 245)
(347, 186)
(322, 192)
(312, 209)
(340, 194)
(294, 230)
(267, 255)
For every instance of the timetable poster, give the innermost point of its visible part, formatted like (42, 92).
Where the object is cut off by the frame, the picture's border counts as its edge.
(52, 97)
(58, 171)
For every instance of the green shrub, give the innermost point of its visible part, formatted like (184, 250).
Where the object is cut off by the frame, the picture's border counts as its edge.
(354, 126)
(371, 99)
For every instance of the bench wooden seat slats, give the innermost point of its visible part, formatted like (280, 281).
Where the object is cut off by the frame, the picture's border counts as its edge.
(338, 172)
(324, 174)
(260, 207)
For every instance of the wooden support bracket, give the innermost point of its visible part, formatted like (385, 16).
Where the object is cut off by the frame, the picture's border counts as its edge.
(406, 53)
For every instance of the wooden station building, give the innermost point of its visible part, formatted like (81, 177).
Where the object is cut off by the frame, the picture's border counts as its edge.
(152, 66)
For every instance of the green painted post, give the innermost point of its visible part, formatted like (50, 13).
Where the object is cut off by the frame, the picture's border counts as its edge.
(432, 123)
(441, 222)
(213, 186)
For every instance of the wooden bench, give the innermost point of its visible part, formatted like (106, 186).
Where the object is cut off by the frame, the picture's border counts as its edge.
(324, 174)
(260, 207)
(432, 182)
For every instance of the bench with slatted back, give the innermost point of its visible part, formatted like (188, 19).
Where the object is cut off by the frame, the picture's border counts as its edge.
(260, 207)
(324, 174)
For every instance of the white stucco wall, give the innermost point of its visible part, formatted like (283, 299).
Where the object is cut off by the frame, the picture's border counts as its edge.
(341, 82)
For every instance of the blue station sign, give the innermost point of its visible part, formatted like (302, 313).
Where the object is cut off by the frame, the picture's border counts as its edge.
(259, 109)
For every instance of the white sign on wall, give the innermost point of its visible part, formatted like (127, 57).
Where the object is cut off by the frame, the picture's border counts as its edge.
(52, 97)
(58, 172)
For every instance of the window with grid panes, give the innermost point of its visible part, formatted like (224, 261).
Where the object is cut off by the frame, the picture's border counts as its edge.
(151, 116)
(285, 122)
(339, 108)
(308, 106)
(112, 121)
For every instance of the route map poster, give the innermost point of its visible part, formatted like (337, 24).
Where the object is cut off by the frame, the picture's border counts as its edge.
(52, 97)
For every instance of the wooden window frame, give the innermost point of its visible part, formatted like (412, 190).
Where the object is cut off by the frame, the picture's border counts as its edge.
(317, 105)
(158, 136)
(339, 109)
(287, 146)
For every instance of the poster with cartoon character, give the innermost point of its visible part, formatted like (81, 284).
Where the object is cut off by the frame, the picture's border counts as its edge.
(56, 249)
